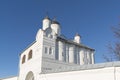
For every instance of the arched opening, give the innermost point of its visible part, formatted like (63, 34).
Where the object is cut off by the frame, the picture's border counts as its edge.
(23, 59)
(30, 76)
(30, 54)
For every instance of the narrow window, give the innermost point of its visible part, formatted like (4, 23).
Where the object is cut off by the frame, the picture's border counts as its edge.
(30, 54)
(46, 50)
(62, 54)
(50, 50)
(23, 59)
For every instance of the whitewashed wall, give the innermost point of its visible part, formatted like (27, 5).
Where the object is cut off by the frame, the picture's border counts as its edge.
(93, 74)
(11, 78)
(34, 64)
(108, 73)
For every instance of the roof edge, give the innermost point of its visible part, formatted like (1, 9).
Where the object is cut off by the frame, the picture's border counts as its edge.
(28, 46)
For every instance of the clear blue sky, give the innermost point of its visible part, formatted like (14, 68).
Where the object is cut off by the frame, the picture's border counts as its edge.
(20, 20)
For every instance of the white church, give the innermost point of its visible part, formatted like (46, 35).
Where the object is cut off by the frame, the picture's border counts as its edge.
(54, 57)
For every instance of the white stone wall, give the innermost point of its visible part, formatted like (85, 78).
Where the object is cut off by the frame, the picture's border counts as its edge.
(92, 74)
(49, 43)
(73, 54)
(34, 64)
(108, 73)
(10, 78)
(117, 73)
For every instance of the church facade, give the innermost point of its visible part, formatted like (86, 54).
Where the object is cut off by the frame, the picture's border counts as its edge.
(54, 57)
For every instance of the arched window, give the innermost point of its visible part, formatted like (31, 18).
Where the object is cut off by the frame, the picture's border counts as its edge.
(23, 59)
(30, 54)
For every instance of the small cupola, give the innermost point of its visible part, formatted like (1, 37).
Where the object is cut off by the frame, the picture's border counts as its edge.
(77, 38)
(55, 25)
(54, 21)
(46, 23)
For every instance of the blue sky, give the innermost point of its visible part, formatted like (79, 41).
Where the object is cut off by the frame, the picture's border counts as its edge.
(20, 20)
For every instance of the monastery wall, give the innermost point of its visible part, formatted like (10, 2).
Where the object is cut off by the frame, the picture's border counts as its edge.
(92, 74)
(11, 78)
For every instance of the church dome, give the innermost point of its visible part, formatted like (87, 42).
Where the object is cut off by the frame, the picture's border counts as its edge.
(56, 26)
(46, 17)
(46, 22)
(77, 38)
(77, 35)
(55, 22)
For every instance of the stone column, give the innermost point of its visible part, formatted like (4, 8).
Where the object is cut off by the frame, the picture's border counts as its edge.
(60, 50)
(81, 54)
(67, 53)
(78, 56)
(88, 56)
(92, 57)
(71, 54)
(64, 52)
